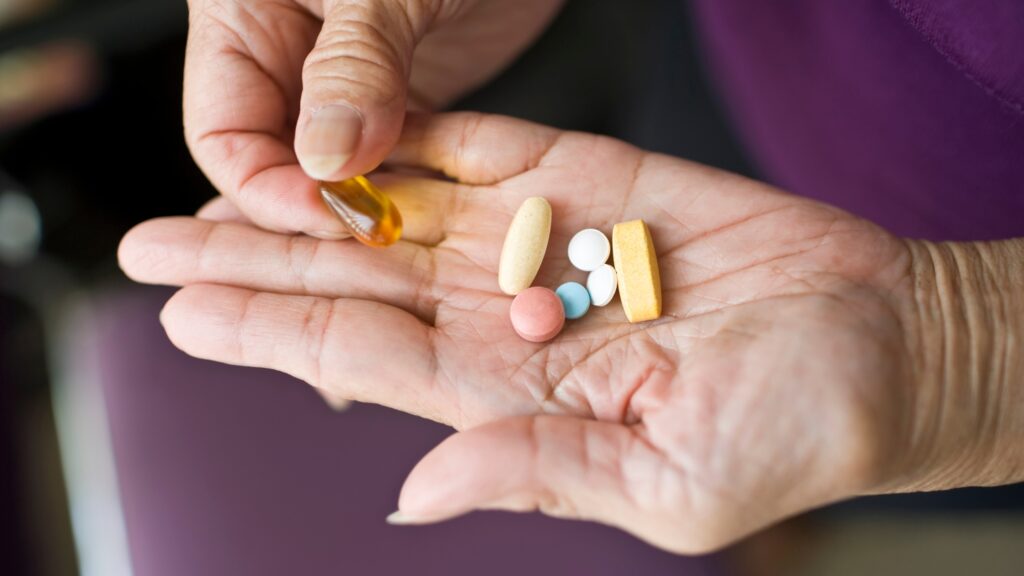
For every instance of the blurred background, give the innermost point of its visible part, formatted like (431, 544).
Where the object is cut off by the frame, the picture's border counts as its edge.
(119, 455)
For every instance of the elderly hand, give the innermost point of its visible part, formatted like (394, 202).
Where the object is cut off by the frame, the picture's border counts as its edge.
(788, 370)
(335, 77)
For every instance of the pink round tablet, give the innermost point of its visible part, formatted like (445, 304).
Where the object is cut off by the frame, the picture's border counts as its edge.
(537, 314)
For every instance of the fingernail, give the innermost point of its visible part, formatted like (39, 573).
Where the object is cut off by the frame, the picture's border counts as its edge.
(337, 403)
(397, 518)
(329, 234)
(328, 139)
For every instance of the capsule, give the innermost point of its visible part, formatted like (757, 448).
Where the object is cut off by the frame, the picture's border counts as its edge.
(368, 213)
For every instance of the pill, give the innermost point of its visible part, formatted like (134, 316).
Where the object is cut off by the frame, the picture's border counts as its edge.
(589, 249)
(601, 283)
(575, 299)
(537, 314)
(637, 268)
(525, 244)
(368, 213)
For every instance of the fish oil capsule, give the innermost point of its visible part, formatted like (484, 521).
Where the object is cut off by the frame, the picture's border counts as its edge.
(368, 213)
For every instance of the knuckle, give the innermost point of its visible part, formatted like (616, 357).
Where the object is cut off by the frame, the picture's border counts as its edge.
(365, 49)
(146, 256)
(352, 66)
(301, 251)
(315, 328)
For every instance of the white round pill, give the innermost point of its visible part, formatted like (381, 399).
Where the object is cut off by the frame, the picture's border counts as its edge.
(601, 284)
(589, 249)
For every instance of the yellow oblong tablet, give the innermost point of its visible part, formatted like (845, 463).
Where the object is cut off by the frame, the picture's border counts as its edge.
(525, 245)
(636, 265)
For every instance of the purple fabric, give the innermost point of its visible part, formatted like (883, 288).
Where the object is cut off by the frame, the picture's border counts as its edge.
(984, 39)
(907, 112)
(226, 470)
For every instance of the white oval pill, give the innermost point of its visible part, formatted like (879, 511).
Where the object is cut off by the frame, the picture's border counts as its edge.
(525, 245)
(601, 284)
(589, 249)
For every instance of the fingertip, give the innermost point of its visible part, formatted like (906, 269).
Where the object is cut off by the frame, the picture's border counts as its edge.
(183, 299)
(284, 199)
(146, 248)
(182, 324)
(400, 518)
(199, 318)
(127, 250)
(465, 472)
(337, 402)
(323, 166)
(422, 497)
(170, 315)
(326, 139)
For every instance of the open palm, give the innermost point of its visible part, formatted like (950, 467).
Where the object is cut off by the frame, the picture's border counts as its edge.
(766, 388)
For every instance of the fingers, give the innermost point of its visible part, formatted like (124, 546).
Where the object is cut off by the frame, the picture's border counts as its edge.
(242, 69)
(563, 466)
(355, 83)
(425, 204)
(473, 148)
(181, 251)
(358, 349)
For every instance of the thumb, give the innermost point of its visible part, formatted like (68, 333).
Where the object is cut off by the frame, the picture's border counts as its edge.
(565, 467)
(354, 85)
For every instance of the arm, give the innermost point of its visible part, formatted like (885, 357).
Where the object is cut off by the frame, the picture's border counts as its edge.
(968, 308)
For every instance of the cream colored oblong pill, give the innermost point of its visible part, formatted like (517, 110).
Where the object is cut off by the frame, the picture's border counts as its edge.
(637, 267)
(525, 245)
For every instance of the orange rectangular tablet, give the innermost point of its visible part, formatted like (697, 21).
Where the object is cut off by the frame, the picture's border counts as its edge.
(636, 266)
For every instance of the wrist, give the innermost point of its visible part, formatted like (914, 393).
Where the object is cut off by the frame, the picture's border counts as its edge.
(964, 324)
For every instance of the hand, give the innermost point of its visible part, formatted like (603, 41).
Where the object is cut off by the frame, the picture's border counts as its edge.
(778, 379)
(336, 77)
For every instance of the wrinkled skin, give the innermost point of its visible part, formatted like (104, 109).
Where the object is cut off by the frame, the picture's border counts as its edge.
(255, 69)
(776, 380)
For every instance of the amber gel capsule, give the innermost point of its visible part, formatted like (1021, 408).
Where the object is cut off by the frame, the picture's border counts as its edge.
(367, 212)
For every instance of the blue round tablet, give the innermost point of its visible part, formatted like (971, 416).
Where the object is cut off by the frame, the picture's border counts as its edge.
(575, 299)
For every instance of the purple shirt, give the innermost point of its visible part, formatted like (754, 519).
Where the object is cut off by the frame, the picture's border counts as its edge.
(907, 112)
